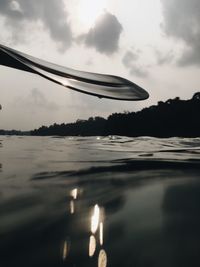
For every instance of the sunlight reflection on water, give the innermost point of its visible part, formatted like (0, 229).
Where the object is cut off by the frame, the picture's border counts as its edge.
(97, 202)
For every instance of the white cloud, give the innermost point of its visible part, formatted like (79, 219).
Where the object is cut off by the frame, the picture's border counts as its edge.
(51, 13)
(130, 61)
(182, 21)
(164, 57)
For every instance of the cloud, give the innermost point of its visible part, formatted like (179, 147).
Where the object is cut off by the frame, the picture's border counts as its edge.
(40, 101)
(105, 34)
(164, 58)
(182, 21)
(130, 61)
(89, 62)
(129, 57)
(36, 100)
(51, 13)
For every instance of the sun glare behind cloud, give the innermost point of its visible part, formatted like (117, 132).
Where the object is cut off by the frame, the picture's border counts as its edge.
(90, 10)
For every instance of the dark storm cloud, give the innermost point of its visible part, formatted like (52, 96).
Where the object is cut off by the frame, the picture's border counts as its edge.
(105, 34)
(51, 13)
(130, 61)
(182, 21)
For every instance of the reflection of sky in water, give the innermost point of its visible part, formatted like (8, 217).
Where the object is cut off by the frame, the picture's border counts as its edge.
(74, 193)
(72, 206)
(95, 235)
(65, 250)
(92, 245)
(96, 212)
(101, 233)
(95, 219)
(135, 228)
(102, 259)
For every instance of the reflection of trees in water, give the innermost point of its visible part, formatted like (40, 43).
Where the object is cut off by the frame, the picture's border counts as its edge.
(181, 207)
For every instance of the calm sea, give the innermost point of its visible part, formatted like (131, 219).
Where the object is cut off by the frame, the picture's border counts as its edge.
(99, 201)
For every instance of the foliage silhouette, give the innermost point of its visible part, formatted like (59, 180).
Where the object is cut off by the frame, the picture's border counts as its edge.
(174, 117)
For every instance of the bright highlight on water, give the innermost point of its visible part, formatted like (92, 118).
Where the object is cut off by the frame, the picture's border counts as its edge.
(100, 85)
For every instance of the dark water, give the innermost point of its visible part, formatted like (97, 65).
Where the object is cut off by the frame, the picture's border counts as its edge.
(99, 202)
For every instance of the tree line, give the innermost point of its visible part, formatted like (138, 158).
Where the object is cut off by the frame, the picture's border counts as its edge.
(175, 117)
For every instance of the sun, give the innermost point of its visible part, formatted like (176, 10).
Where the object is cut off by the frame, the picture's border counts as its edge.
(90, 10)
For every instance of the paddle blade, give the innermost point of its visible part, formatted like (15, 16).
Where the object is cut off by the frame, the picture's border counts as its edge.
(100, 85)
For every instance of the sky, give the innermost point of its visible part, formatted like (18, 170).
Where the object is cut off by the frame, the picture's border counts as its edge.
(154, 43)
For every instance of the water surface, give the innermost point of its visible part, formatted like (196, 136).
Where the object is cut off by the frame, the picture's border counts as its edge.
(112, 201)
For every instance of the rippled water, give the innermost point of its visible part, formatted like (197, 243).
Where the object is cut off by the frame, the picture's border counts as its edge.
(111, 201)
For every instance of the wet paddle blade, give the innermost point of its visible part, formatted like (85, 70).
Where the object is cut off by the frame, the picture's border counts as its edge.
(100, 85)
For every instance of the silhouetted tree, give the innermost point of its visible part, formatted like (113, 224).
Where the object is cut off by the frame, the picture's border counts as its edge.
(174, 117)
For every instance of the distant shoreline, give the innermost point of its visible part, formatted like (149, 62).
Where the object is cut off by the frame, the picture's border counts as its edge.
(173, 118)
